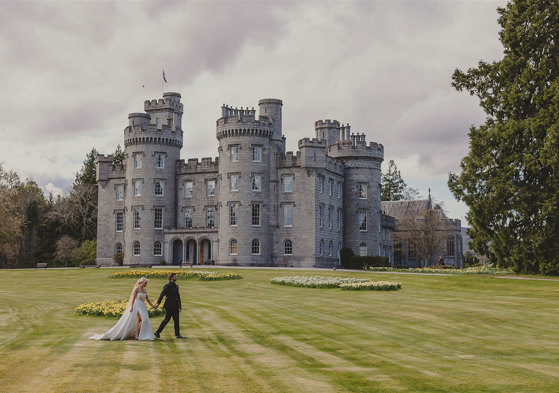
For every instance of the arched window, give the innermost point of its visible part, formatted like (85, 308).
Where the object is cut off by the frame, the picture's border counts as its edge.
(233, 247)
(288, 247)
(136, 248)
(256, 247)
(118, 248)
(330, 248)
(157, 251)
(363, 249)
(321, 249)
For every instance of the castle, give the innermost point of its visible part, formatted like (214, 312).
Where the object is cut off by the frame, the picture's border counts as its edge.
(254, 205)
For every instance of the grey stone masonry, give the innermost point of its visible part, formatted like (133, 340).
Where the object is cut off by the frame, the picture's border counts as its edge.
(254, 205)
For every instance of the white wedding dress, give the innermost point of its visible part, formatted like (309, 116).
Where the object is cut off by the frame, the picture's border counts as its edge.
(126, 325)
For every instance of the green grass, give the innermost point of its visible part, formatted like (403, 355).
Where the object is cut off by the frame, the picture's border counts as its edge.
(436, 334)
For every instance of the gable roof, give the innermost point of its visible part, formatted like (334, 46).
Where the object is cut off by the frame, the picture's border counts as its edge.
(405, 209)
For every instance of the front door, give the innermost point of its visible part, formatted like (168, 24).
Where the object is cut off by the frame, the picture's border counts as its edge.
(201, 253)
(177, 252)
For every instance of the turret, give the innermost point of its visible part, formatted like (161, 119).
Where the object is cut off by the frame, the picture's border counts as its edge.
(271, 108)
(328, 130)
(166, 111)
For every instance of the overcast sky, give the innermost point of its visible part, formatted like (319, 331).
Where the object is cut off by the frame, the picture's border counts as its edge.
(70, 72)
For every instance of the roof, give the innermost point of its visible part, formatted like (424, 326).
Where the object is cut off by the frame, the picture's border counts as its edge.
(405, 209)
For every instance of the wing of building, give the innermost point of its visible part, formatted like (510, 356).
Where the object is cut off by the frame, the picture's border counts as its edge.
(253, 205)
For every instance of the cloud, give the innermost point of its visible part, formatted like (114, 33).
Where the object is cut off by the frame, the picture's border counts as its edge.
(72, 71)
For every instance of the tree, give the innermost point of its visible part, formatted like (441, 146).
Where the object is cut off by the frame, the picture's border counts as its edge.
(118, 156)
(78, 211)
(66, 248)
(510, 177)
(425, 234)
(11, 219)
(88, 172)
(394, 188)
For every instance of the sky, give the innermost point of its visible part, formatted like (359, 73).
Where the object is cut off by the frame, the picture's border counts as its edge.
(70, 72)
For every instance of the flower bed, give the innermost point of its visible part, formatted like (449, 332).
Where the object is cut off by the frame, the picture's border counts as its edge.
(329, 282)
(202, 275)
(468, 270)
(110, 308)
(373, 285)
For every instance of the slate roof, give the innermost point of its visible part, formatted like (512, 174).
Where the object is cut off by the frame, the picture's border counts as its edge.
(405, 209)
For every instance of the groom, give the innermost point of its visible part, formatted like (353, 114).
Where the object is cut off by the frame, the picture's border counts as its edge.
(172, 305)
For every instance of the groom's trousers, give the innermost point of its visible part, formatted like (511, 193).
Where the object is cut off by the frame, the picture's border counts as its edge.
(168, 315)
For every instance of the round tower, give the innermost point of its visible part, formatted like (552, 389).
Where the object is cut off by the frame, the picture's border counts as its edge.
(244, 184)
(152, 144)
(362, 176)
(328, 130)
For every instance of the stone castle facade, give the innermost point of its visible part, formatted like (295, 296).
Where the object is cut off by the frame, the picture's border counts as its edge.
(254, 205)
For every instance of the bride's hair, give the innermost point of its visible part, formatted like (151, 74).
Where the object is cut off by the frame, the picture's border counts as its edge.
(141, 280)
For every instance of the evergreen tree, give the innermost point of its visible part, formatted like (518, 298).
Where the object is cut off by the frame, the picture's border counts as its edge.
(393, 186)
(88, 172)
(510, 177)
(118, 156)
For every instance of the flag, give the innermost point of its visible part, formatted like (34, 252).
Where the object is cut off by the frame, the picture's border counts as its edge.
(165, 79)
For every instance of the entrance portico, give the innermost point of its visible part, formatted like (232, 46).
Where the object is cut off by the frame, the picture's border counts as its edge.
(195, 246)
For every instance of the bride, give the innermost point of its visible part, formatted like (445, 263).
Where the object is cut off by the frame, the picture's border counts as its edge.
(135, 319)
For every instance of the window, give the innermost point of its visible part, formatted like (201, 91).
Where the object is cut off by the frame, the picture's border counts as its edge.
(319, 181)
(136, 248)
(210, 217)
(256, 247)
(288, 183)
(159, 160)
(362, 190)
(450, 247)
(234, 182)
(157, 250)
(137, 218)
(339, 220)
(234, 153)
(118, 248)
(363, 249)
(321, 215)
(256, 214)
(158, 187)
(287, 215)
(188, 218)
(256, 182)
(362, 215)
(210, 188)
(330, 214)
(330, 186)
(233, 247)
(288, 247)
(137, 160)
(158, 218)
(119, 221)
(188, 186)
(339, 190)
(234, 214)
(321, 248)
(137, 184)
(120, 192)
(330, 248)
(256, 153)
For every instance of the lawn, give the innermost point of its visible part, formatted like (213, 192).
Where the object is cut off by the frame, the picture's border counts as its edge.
(436, 334)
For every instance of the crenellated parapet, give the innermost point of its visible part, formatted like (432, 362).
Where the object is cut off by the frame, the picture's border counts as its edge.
(142, 132)
(242, 122)
(289, 160)
(207, 165)
(106, 170)
(170, 100)
(357, 149)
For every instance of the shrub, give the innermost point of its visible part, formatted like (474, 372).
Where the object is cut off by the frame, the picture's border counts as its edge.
(86, 253)
(364, 262)
(118, 258)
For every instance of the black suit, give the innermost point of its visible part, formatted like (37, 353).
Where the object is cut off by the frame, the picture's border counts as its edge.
(172, 305)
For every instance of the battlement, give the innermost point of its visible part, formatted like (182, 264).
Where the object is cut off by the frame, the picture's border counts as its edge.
(290, 159)
(170, 100)
(326, 124)
(194, 166)
(146, 133)
(356, 147)
(106, 170)
(313, 143)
